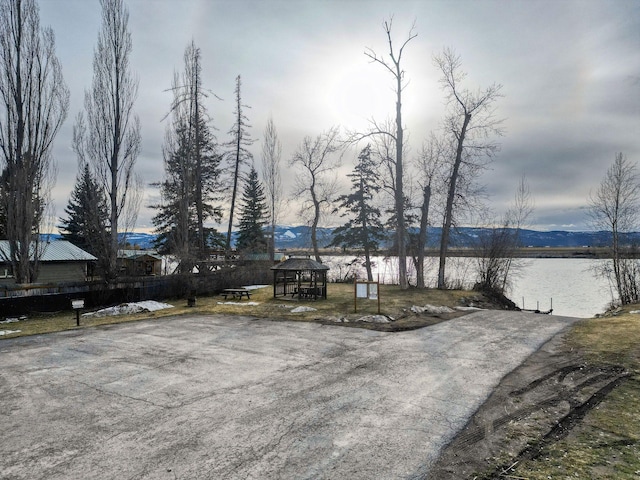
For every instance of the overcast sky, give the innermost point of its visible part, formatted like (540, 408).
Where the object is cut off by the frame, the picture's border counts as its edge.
(570, 72)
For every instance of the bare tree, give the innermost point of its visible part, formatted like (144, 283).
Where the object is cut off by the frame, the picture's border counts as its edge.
(496, 260)
(109, 138)
(315, 160)
(393, 65)
(240, 140)
(615, 207)
(271, 156)
(471, 123)
(429, 169)
(35, 101)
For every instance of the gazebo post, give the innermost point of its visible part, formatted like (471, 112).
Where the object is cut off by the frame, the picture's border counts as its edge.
(315, 285)
(275, 282)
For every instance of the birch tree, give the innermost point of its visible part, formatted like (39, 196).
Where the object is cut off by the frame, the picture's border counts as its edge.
(34, 102)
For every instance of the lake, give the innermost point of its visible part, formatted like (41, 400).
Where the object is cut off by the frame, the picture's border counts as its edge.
(576, 291)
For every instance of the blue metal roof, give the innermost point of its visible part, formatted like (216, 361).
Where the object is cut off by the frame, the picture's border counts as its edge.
(53, 251)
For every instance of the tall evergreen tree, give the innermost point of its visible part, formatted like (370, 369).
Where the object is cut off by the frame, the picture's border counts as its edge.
(86, 224)
(363, 230)
(253, 216)
(192, 185)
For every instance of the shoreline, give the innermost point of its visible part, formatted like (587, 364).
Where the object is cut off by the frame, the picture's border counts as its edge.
(524, 252)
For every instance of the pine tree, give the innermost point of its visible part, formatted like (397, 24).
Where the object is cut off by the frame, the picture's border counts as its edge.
(87, 212)
(364, 229)
(192, 186)
(253, 216)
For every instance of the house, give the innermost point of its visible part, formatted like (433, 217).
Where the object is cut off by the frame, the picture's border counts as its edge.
(60, 262)
(134, 263)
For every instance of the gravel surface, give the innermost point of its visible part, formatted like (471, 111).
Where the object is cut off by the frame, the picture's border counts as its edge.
(235, 397)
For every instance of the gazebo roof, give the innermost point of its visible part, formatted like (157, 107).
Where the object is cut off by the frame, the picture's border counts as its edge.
(300, 264)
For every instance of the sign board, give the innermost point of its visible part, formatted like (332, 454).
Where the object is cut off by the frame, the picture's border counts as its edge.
(367, 290)
(75, 304)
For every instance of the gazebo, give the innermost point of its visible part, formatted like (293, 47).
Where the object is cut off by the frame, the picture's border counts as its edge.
(301, 278)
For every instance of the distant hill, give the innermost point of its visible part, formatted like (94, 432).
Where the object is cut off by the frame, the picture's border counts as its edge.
(294, 237)
(300, 237)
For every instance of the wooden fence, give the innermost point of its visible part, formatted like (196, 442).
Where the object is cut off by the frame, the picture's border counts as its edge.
(29, 299)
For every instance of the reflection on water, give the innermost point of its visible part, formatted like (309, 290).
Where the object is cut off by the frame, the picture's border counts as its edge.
(576, 291)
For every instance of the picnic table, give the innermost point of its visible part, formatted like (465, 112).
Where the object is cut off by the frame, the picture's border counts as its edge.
(236, 293)
(308, 292)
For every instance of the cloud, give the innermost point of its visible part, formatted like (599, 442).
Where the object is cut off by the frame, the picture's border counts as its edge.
(569, 71)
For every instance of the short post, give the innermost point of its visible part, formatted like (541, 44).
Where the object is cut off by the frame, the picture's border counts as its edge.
(191, 299)
(77, 305)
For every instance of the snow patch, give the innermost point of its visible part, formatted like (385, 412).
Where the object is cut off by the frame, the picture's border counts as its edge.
(373, 319)
(129, 308)
(431, 309)
(303, 309)
(254, 287)
(8, 332)
(248, 304)
(289, 234)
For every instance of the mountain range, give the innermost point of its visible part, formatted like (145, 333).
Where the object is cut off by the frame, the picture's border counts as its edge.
(295, 237)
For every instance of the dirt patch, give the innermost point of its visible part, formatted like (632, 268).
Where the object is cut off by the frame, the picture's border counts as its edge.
(405, 319)
(535, 405)
(407, 322)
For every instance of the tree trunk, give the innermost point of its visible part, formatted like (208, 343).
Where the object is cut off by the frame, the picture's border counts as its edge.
(399, 194)
(422, 236)
(448, 213)
(233, 195)
(314, 225)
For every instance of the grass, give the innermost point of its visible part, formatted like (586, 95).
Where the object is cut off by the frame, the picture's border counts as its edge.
(606, 445)
(339, 304)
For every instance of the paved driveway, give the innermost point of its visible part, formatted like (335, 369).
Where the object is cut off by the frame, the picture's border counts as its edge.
(233, 397)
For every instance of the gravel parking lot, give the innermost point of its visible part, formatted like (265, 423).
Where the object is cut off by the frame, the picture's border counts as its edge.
(235, 397)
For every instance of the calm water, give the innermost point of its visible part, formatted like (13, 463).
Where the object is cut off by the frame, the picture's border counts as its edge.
(570, 282)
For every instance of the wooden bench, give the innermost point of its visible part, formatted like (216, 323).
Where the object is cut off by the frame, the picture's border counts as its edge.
(236, 293)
